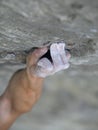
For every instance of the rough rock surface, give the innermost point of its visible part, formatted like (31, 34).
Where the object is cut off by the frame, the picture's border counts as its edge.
(33, 23)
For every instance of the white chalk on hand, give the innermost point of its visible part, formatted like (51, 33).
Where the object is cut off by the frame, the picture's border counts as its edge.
(60, 60)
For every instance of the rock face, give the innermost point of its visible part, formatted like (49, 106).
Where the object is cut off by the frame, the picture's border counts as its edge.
(28, 23)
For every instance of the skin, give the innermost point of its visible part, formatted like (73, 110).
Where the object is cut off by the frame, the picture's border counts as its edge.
(23, 91)
(25, 86)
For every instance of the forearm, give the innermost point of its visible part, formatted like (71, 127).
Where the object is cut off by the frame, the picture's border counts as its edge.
(19, 97)
(7, 115)
(23, 91)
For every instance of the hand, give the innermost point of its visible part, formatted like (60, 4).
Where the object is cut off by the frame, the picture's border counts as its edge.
(60, 60)
(23, 91)
(24, 88)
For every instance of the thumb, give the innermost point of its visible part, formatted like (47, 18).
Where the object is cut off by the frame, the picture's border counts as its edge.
(34, 56)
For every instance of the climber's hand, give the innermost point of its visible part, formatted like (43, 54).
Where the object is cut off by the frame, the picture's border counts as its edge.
(60, 60)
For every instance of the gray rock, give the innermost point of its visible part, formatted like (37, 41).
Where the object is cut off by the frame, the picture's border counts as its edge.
(25, 24)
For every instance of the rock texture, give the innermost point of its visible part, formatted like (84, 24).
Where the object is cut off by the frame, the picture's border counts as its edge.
(33, 23)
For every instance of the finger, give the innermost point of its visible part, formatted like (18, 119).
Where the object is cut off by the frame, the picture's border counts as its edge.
(62, 52)
(43, 68)
(66, 66)
(34, 56)
(45, 64)
(62, 67)
(55, 55)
